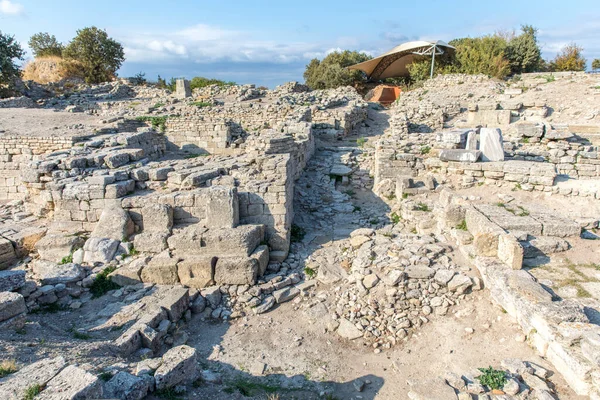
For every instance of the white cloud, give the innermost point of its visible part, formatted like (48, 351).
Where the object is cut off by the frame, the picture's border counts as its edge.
(205, 44)
(9, 8)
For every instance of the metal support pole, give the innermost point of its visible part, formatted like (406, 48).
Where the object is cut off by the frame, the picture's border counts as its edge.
(432, 62)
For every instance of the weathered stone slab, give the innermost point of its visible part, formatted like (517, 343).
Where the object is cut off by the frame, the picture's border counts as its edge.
(510, 251)
(114, 223)
(11, 305)
(467, 156)
(101, 250)
(54, 247)
(15, 386)
(347, 330)
(129, 274)
(162, 270)
(72, 383)
(51, 273)
(556, 225)
(236, 271)
(178, 366)
(125, 386)
(490, 144)
(196, 272)
(222, 207)
(157, 218)
(175, 300)
(151, 242)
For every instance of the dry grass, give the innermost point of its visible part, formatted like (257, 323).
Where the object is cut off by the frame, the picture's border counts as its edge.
(51, 69)
(7, 367)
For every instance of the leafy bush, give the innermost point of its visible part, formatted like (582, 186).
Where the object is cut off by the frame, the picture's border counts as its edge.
(43, 44)
(102, 284)
(332, 72)
(596, 64)
(297, 233)
(482, 55)
(200, 82)
(157, 122)
(492, 378)
(10, 50)
(570, 58)
(100, 55)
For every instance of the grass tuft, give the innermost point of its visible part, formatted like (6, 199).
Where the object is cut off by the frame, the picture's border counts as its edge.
(7, 367)
(102, 283)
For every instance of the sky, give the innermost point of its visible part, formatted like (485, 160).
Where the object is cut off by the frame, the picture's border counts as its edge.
(270, 42)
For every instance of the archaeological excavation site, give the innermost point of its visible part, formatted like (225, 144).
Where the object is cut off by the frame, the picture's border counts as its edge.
(237, 242)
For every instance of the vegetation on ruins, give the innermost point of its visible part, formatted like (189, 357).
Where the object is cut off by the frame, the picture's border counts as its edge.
(332, 71)
(492, 378)
(99, 55)
(10, 52)
(43, 44)
(102, 284)
(570, 58)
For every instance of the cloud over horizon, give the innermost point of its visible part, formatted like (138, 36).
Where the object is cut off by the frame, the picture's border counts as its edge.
(9, 8)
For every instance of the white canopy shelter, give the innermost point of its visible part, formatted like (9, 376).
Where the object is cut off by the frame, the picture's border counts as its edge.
(395, 62)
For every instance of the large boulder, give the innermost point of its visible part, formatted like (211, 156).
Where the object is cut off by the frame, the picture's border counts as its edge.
(114, 223)
(55, 246)
(125, 386)
(178, 366)
(98, 249)
(11, 305)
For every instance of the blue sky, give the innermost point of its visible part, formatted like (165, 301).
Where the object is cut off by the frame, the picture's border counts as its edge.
(270, 42)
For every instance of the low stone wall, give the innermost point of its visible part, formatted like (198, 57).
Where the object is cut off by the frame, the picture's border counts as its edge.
(16, 152)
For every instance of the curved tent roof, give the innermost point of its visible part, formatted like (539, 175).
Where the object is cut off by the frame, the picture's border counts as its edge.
(394, 63)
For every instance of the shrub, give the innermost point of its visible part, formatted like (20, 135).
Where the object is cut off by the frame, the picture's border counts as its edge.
(492, 378)
(200, 82)
(596, 64)
(32, 391)
(482, 55)
(102, 284)
(100, 55)
(139, 79)
(570, 58)
(43, 44)
(523, 51)
(10, 51)
(332, 71)
(297, 233)
(7, 367)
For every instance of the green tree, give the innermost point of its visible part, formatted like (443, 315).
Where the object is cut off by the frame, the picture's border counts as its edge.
(596, 64)
(523, 51)
(570, 58)
(482, 55)
(332, 71)
(100, 55)
(43, 44)
(10, 52)
(200, 82)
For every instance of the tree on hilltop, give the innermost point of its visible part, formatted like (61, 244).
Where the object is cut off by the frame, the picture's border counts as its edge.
(43, 44)
(523, 51)
(99, 55)
(596, 64)
(570, 58)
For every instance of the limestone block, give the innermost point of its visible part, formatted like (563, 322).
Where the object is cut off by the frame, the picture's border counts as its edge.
(466, 156)
(485, 232)
(101, 250)
(510, 251)
(491, 144)
(157, 218)
(114, 223)
(151, 242)
(236, 271)
(196, 272)
(126, 386)
(119, 189)
(129, 274)
(222, 208)
(178, 366)
(50, 273)
(72, 383)
(261, 254)
(347, 330)
(175, 301)
(162, 270)
(54, 247)
(14, 386)
(11, 305)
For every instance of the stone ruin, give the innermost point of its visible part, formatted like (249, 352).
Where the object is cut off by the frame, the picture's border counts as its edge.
(192, 203)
